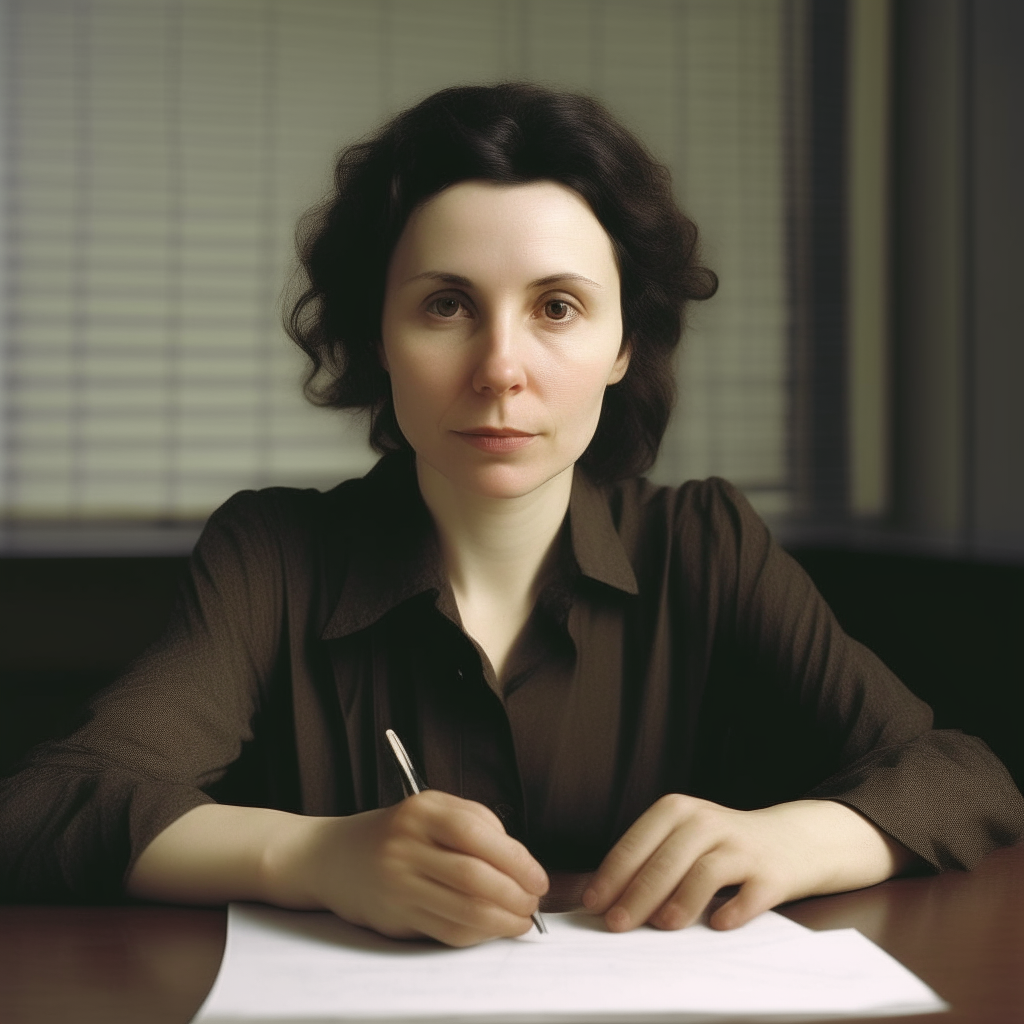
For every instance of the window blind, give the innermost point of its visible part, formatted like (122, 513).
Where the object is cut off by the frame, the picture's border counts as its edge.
(156, 156)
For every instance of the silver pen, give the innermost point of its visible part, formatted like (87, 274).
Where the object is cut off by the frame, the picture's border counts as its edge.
(412, 783)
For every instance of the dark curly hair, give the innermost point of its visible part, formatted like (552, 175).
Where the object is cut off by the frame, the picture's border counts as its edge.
(511, 133)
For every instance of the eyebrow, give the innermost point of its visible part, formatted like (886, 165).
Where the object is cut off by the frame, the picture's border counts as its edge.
(464, 282)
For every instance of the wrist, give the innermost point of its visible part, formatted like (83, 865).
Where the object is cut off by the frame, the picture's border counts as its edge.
(859, 852)
(287, 862)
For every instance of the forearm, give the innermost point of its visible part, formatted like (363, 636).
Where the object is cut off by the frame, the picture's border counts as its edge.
(433, 865)
(216, 853)
(851, 850)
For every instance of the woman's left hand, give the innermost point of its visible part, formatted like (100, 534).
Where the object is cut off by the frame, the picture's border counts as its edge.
(681, 851)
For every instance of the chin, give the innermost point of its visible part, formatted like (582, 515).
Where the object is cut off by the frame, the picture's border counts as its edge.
(505, 480)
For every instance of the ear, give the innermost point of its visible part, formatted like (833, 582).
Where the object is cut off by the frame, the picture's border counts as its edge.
(621, 364)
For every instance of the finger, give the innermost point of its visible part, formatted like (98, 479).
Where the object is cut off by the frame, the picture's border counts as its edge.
(433, 802)
(657, 880)
(436, 801)
(755, 897)
(456, 933)
(475, 878)
(632, 851)
(423, 895)
(708, 873)
(465, 831)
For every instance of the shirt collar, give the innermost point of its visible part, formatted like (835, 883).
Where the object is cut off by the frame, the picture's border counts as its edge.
(596, 544)
(396, 554)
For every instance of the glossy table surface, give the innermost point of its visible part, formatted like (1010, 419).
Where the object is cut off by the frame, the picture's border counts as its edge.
(962, 933)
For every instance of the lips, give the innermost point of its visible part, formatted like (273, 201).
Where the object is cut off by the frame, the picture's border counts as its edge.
(496, 432)
(496, 439)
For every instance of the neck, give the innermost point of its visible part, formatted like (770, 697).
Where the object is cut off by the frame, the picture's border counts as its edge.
(490, 544)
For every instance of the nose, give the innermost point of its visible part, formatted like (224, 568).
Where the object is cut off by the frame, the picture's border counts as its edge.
(499, 368)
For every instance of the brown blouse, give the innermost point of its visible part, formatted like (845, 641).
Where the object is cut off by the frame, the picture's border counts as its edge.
(674, 648)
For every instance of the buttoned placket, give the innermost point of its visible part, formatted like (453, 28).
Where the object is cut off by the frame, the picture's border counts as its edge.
(467, 736)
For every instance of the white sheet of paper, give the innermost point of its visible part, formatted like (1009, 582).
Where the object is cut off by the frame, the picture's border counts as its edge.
(287, 967)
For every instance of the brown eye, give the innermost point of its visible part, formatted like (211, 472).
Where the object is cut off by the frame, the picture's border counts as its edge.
(557, 310)
(446, 307)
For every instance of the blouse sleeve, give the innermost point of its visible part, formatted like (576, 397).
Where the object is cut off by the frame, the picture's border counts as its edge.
(942, 794)
(81, 810)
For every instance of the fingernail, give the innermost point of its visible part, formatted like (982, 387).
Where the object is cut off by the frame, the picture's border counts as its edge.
(617, 919)
(589, 898)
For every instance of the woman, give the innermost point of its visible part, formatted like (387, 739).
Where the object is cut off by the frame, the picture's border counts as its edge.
(594, 672)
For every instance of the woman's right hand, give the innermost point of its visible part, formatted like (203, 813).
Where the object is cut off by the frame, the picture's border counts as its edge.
(433, 865)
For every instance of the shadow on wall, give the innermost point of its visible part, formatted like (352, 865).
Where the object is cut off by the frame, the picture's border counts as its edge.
(949, 629)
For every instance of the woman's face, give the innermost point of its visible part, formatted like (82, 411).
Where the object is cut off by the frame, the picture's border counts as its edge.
(501, 329)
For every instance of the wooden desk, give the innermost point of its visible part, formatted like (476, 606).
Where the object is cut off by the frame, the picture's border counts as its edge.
(962, 933)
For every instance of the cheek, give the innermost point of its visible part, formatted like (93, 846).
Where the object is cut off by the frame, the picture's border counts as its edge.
(574, 387)
(423, 378)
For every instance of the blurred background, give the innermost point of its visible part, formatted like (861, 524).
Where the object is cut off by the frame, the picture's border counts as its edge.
(854, 167)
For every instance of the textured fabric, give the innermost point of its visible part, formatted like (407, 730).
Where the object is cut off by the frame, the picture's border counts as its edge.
(674, 648)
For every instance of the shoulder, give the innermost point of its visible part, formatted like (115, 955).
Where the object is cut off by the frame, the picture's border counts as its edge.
(697, 513)
(284, 513)
(698, 542)
(263, 535)
(288, 508)
(307, 530)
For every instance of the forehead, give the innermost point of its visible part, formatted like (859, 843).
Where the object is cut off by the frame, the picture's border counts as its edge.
(542, 226)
